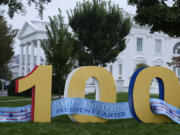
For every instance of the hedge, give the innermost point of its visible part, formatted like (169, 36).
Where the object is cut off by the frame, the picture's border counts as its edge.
(11, 90)
(1, 84)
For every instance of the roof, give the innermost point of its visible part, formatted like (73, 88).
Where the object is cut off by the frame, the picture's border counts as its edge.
(31, 27)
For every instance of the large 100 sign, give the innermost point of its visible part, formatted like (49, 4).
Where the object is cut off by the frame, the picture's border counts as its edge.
(79, 109)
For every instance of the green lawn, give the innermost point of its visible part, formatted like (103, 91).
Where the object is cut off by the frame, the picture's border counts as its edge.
(4, 98)
(62, 125)
(15, 103)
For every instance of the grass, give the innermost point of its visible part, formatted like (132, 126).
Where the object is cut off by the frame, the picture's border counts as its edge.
(62, 125)
(15, 103)
(4, 98)
(123, 97)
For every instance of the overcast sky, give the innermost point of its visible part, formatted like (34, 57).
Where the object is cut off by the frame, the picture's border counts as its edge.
(52, 9)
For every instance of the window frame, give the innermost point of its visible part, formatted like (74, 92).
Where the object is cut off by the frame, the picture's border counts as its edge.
(139, 45)
(158, 47)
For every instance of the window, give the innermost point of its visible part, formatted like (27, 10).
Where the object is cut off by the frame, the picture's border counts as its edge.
(177, 72)
(174, 69)
(139, 44)
(176, 49)
(120, 71)
(158, 46)
(111, 69)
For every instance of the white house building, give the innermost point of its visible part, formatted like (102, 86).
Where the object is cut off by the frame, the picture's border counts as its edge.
(142, 47)
(30, 37)
(14, 64)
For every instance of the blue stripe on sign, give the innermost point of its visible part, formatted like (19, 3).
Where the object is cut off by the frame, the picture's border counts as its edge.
(130, 93)
(131, 90)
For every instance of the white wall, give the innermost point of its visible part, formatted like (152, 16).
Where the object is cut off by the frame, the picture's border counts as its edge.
(130, 57)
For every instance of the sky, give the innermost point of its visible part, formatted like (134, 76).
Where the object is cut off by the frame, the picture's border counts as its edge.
(52, 9)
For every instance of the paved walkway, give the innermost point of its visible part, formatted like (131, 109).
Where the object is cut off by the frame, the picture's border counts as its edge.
(26, 99)
(3, 92)
(4, 101)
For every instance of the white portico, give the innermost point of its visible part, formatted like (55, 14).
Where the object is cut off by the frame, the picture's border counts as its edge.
(31, 53)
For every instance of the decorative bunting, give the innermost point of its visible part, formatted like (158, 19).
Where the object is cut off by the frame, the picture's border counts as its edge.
(88, 107)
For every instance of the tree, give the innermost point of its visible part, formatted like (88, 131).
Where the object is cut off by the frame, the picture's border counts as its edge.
(175, 62)
(160, 15)
(100, 30)
(15, 6)
(58, 49)
(1, 84)
(6, 73)
(7, 36)
(11, 89)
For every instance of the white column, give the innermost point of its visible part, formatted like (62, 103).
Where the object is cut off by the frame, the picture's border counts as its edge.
(129, 62)
(151, 44)
(21, 61)
(149, 53)
(32, 56)
(38, 52)
(26, 58)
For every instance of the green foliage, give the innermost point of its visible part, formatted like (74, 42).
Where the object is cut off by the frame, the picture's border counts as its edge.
(7, 36)
(160, 15)
(11, 90)
(140, 65)
(175, 62)
(1, 84)
(15, 6)
(100, 29)
(58, 49)
(6, 73)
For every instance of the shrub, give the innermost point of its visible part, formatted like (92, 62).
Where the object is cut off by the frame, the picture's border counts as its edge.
(56, 87)
(11, 90)
(140, 65)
